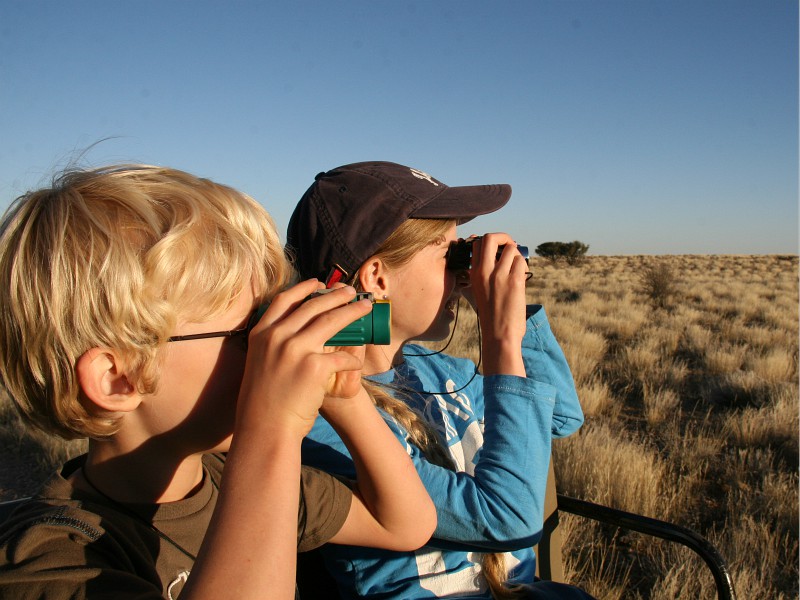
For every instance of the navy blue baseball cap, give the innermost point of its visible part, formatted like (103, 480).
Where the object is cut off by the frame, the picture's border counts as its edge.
(349, 211)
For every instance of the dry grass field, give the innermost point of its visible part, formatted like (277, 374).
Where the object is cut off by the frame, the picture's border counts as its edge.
(687, 369)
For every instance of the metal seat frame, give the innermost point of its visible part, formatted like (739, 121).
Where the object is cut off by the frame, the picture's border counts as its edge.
(549, 561)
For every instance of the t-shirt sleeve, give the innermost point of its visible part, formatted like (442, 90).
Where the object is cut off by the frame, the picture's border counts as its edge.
(324, 506)
(60, 553)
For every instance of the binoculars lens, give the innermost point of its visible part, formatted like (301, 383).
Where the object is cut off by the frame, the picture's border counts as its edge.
(459, 254)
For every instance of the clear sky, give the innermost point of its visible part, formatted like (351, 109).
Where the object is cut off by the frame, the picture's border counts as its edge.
(635, 126)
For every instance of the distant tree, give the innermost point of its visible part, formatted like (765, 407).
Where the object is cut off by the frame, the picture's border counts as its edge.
(572, 252)
(575, 251)
(550, 250)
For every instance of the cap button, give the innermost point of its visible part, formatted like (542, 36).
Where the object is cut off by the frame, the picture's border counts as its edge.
(319, 175)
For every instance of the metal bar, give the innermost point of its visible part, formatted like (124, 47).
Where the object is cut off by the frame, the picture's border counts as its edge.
(660, 529)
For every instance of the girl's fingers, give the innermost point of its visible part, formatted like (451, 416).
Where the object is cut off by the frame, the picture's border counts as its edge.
(485, 250)
(489, 260)
(498, 283)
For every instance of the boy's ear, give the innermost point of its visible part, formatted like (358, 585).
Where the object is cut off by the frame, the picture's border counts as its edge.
(374, 278)
(103, 380)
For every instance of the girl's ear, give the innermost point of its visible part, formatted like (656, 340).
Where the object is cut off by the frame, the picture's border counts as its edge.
(374, 277)
(103, 380)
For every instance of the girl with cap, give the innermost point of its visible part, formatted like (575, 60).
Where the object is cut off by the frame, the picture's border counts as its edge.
(480, 442)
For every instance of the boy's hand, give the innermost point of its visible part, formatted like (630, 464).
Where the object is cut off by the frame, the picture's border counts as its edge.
(288, 370)
(346, 384)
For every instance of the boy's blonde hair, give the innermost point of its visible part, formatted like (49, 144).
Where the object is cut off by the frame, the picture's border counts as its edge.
(114, 257)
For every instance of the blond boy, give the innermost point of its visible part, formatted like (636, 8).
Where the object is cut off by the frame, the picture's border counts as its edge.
(128, 295)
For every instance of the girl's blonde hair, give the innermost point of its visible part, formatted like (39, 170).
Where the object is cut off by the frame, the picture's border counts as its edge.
(398, 249)
(114, 257)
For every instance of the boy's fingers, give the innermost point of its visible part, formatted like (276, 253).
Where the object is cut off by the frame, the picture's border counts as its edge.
(283, 303)
(315, 321)
(357, 351)
(332, 321)
(345, 380)
(342, 361)
(299, 305)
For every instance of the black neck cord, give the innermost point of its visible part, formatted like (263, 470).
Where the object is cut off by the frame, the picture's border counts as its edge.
(477, 365)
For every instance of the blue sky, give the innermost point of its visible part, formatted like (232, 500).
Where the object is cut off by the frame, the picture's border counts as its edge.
(637, 127)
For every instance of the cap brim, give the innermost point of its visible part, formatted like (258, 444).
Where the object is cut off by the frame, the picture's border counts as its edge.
(465, 202)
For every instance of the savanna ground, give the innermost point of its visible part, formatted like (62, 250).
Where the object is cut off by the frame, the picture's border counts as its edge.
(687, 370)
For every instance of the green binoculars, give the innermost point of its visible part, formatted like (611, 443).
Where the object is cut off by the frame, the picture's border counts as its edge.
(373, 328)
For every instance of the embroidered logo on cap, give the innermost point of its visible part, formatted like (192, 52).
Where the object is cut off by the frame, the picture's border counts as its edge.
(422, 175)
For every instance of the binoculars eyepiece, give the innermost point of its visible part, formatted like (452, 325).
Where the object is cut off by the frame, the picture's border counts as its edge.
(459, 254)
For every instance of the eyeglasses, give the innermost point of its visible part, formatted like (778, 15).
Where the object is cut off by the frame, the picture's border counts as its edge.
(242, 331)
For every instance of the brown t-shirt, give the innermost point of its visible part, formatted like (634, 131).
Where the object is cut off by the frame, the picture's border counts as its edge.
(66, 543)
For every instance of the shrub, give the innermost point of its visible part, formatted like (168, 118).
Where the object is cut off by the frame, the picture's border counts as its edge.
(567, 295)
(658, 284)
(572, 252)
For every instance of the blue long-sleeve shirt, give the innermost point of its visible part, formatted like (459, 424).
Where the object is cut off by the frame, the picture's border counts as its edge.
(498, 431)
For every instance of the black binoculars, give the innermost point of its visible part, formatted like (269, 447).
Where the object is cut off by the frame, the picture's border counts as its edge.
(459, 254)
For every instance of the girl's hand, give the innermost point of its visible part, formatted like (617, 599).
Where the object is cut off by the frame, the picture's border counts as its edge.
(288, 370)
(497, 287)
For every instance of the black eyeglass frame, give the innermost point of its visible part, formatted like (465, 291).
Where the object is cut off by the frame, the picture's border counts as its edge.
(245, 331)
